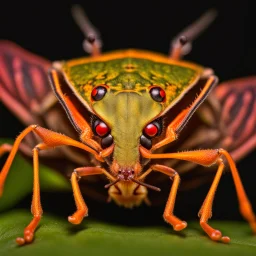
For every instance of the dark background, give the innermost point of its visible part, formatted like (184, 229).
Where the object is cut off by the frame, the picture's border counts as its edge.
(228, 46)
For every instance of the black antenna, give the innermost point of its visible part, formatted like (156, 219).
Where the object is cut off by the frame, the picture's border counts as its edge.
(178, 48)
(92, 43)
(145, 185)
(112, 183)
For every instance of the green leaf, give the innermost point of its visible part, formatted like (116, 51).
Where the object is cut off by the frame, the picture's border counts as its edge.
(56, 236)
(19, 181)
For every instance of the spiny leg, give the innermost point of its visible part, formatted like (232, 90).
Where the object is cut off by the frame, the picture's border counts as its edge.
(208, 158)
(82, 209)
(50, 140)
(36, 207)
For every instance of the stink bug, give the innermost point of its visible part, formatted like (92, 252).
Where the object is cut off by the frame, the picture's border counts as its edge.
(92, 101)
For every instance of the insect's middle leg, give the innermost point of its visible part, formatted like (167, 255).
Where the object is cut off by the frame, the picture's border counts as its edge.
(82, 209)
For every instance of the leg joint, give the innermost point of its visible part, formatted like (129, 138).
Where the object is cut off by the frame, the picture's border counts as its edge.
(75, 172)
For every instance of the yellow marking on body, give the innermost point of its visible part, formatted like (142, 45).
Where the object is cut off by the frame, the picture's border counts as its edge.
(133, 53)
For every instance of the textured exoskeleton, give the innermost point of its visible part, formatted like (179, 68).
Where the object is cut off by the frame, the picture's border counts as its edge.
(116, 114)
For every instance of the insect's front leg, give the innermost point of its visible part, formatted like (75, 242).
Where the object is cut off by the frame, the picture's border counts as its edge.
(208, 158)
(168, 212)
(82, 209)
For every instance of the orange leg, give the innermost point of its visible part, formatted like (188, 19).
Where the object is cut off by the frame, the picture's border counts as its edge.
(82, 209)
(208, 158)
(205, 212)
(175, 127)
(168, 212)
(50, 140)
(36, 207)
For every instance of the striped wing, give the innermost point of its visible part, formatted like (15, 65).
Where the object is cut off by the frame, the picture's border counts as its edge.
(24, 85)
(238, 115)
(25, 90)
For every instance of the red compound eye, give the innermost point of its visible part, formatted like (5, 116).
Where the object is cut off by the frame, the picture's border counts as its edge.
(151, 130)
(101, 129)
(157, 94)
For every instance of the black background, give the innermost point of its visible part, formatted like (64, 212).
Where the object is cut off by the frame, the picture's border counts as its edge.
(228, 46)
